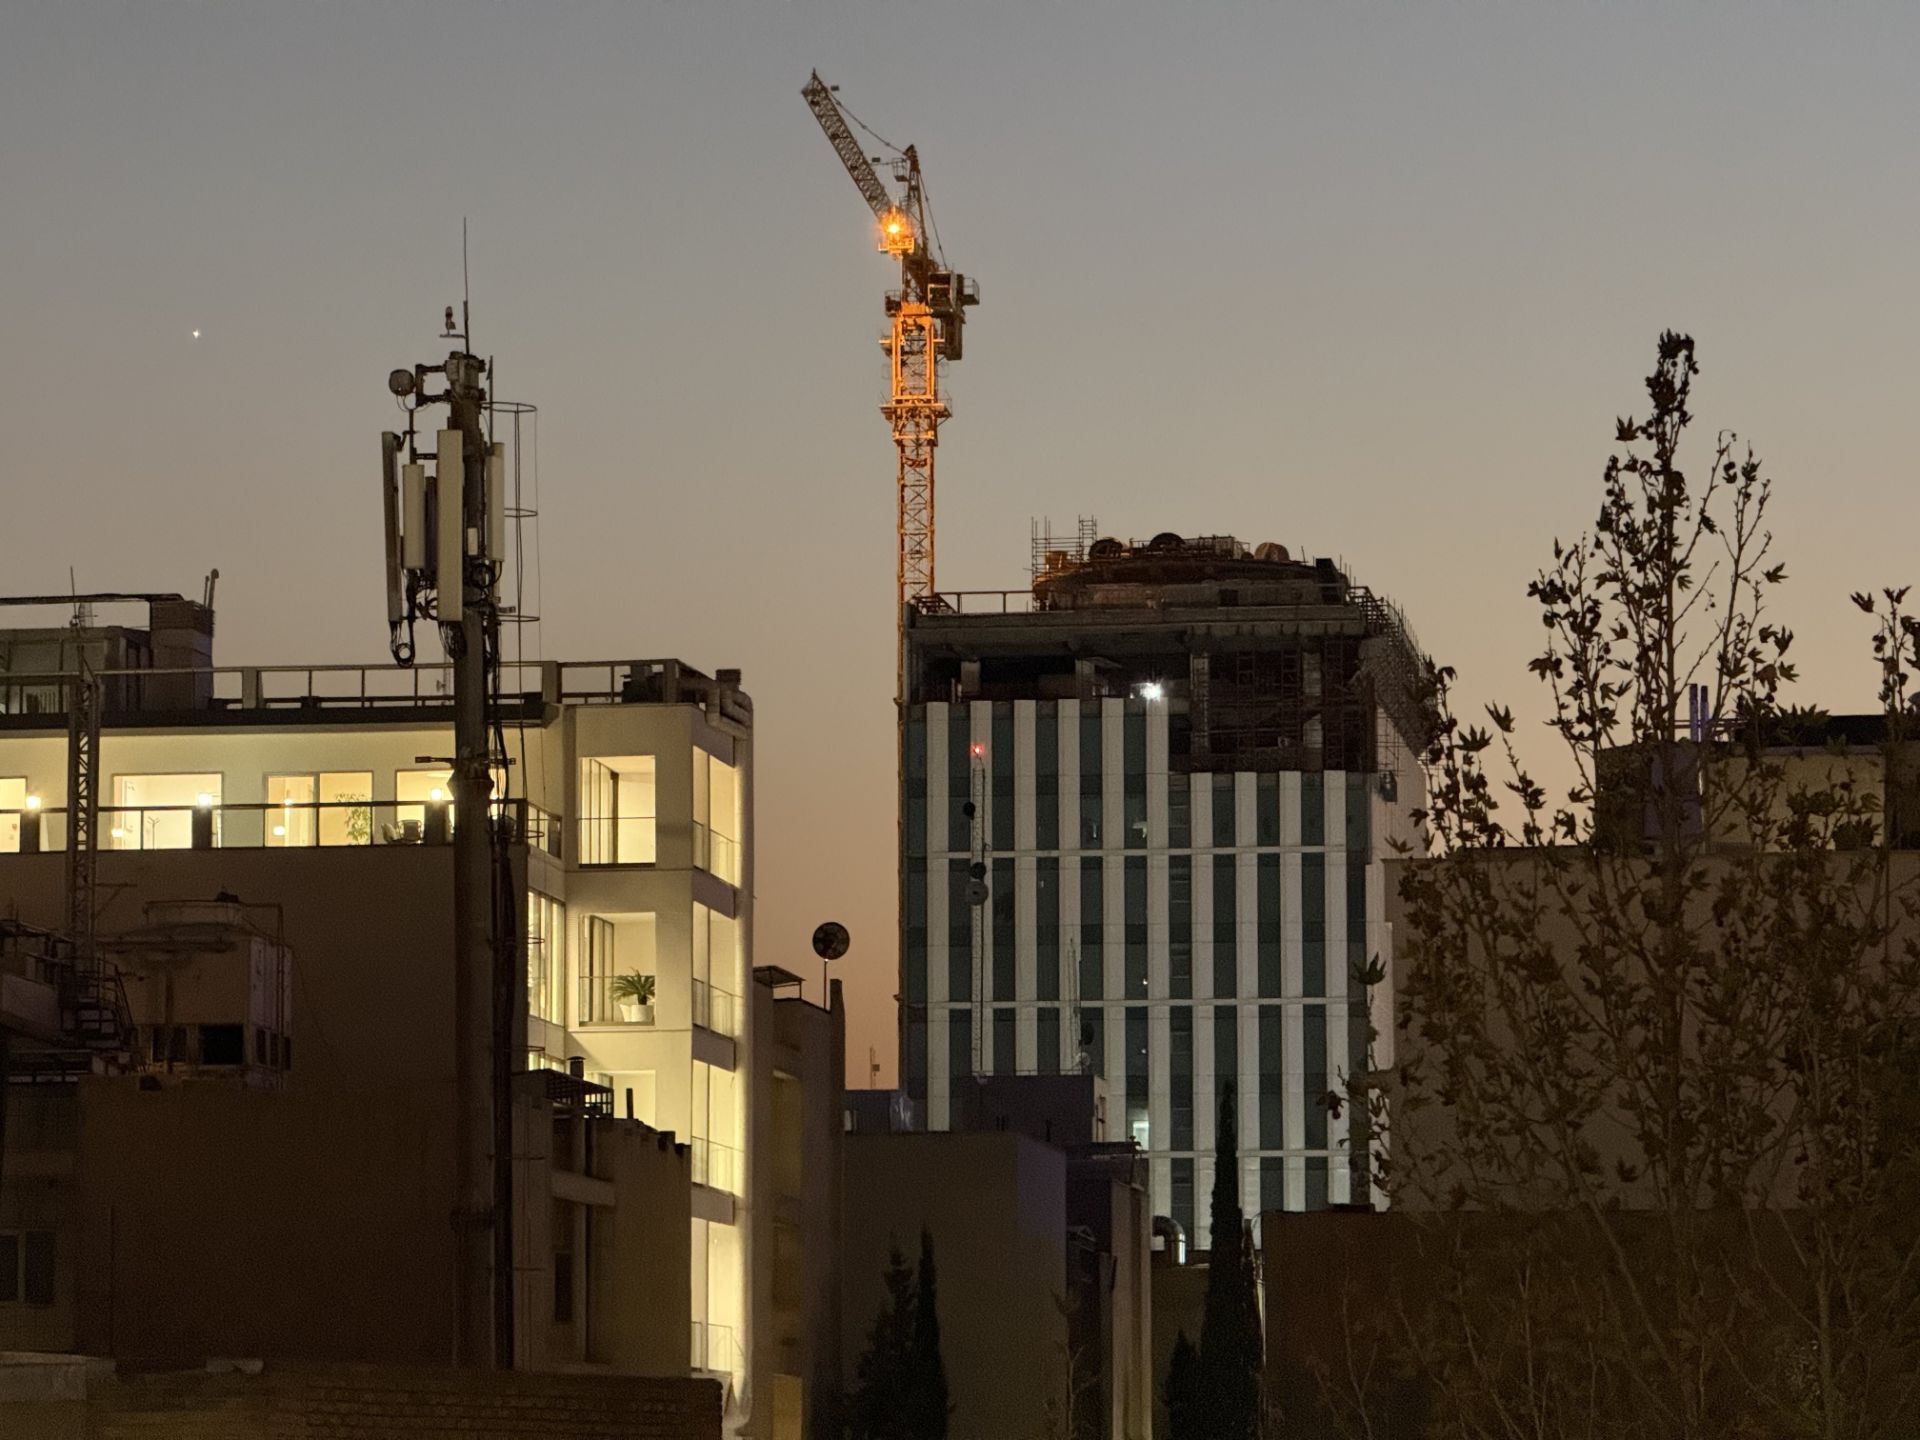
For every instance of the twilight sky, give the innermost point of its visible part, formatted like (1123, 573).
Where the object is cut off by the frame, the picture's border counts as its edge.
(1370, 280)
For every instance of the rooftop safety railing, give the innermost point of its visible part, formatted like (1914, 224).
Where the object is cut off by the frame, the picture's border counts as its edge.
(367, 687)
(976, 602)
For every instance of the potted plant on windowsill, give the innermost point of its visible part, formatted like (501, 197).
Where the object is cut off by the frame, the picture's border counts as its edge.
(633, 993)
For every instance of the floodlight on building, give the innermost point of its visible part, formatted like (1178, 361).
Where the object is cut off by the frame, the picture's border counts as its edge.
(204, 800)
(1152, 690)
(33, 802)
(436, 794)
(279, 830)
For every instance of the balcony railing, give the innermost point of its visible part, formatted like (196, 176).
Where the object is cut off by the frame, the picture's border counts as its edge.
(715, 1009)
(715, 1350)
(598, 1005)
(326, 825)
(716, 1166)
(716, 854)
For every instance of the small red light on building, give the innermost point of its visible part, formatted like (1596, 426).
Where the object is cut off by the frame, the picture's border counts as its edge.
(978, 748)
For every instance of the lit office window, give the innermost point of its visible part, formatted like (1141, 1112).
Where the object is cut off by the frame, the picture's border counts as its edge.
(617, 810)
(13, 804)
(156, 812)
(414, 791)
(332, 807)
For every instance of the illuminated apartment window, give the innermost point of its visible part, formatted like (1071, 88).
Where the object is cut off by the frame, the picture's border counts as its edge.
(332, 807)
(546, 957)
(613, 946)
(715, 1128)
(716, 817)
(716, 971)
(413, 792)
(155, 812)
(616, 806)
(13, 803)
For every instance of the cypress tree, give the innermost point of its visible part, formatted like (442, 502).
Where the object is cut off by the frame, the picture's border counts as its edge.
(1230, 1351)
(927, 1402)
(1181, 1392)
(880, 1400)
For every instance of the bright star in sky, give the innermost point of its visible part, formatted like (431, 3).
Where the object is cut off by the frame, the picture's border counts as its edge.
(196, 334)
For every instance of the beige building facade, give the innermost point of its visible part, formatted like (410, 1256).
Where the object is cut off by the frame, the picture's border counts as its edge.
(321, 790)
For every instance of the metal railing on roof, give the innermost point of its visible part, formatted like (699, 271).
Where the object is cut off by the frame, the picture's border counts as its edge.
(365, 687)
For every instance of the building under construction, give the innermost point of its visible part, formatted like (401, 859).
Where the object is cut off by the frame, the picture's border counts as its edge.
(1143, 808)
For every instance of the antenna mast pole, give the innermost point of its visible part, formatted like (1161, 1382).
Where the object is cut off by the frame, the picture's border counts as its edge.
(445, 551)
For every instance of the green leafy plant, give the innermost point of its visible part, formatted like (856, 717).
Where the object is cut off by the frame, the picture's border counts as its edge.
(633, 988)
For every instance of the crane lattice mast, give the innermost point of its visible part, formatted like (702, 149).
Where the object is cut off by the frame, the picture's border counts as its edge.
(927, 313)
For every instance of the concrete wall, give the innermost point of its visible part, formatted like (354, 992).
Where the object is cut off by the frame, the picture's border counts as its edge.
(796, 1130)
(1179, 1299)
(368, 926)
(217, 1220)
(354, 1404)
(995, 1205)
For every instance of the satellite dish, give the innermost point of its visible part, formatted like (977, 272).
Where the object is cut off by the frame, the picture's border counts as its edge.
(830, 941)
(400, 382)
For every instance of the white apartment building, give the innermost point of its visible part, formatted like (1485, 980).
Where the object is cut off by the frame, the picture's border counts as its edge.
(635, 784)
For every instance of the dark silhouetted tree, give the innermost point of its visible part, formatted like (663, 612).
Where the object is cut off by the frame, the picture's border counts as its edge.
(880, 1409)
(927, 1401)
(1181, 1392)
(1652, 1113)
(1230, 1347)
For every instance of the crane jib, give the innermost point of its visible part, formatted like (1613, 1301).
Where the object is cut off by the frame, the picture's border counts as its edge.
(847, 145)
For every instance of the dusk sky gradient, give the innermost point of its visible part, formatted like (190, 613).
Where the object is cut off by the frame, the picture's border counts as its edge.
(1369, 280)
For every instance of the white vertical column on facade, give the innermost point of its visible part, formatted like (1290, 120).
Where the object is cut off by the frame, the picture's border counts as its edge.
(1069, 728)
(1246, 929)
(1159, 1090)
(1206, 1080)
(939, 1073)
(1157, 777)
(1292, 931)
(1023, 776)
(937, 918)
(1159, 930)
(1027, 962)
(1115, 1043)
(1025, 876)
(1295, 1123)
(1113, 769)
(1290, 783)
(1201, 1238)
(1202, 811)
(1113, 928)
(1202, 901)
(1247, 1086)
(980, 726)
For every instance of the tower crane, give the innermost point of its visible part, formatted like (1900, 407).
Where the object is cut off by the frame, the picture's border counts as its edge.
(927, 314)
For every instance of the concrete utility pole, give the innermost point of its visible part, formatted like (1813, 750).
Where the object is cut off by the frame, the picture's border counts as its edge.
(457, 558)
